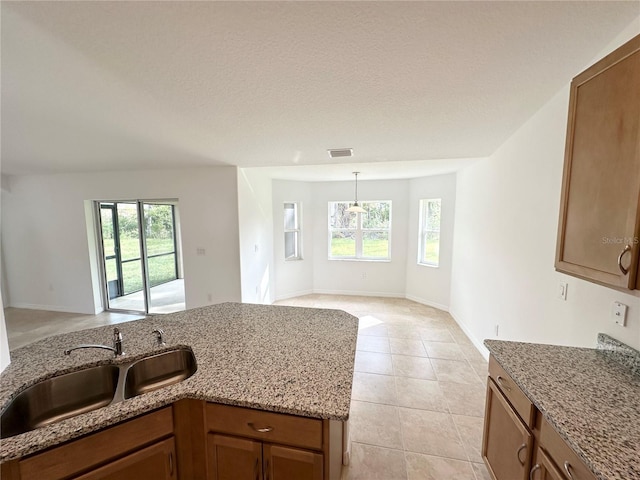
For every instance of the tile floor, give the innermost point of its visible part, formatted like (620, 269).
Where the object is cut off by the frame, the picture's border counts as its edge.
(26, 326)
(418, 391)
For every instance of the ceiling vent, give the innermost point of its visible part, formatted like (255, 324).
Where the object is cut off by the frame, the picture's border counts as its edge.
(340, 152)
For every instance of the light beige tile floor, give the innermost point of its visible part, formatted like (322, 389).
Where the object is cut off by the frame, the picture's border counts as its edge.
(418, 392)
(25, 326)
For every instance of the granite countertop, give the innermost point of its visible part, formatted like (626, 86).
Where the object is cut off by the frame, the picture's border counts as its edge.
(282, 359)
(592, 400)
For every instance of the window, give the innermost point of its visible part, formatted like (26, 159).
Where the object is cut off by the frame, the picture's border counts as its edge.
(292, 232)
(429, 250)
(360, 235)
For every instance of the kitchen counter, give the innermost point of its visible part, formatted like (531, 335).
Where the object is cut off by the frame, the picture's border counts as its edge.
(282, 359)
(590, 398)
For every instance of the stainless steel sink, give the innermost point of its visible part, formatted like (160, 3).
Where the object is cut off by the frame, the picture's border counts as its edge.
(58, 398)
(157, 371)
(71, 394)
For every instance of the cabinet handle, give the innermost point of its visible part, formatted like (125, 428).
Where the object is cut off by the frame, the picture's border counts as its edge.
(567, 468)
(171, 464)
(503, 383)
(624, 271)
(522, 447)
(260, 430)
(533, 470)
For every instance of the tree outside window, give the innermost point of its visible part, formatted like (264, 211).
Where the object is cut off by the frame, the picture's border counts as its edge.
(292, 249)
(364, 236)
(429, 242)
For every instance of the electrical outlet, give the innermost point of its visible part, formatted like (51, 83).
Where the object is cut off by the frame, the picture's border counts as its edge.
(209, 297)
(619, 313)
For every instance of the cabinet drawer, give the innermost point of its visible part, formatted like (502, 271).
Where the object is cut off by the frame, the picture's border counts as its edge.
(562, 455)
(97, 448)
(516, 397)
(268, 426)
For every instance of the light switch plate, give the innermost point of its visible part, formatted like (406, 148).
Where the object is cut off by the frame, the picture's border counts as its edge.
(562, 290)
(619, 313)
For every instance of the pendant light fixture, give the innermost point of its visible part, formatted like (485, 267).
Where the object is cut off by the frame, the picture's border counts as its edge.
(355, 208)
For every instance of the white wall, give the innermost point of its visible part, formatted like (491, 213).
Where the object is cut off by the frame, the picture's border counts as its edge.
(4, 340)
(401, 277)
(426, 284)
(293, 277)
(46, 247)
(384, 278)
(505, 238)
(255, 217)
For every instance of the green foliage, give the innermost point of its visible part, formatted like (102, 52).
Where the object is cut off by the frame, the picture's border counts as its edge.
(431, 254)
(161, 269)
(377, 216)
(346, 247)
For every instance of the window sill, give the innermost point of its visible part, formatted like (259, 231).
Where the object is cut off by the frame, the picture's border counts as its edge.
(296, 259)
(428, 265)
(373, 260)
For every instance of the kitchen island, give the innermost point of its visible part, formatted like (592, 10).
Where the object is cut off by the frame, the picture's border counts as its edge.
(286, 360)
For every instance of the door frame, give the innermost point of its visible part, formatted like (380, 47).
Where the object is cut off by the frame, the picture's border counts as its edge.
(144, 264)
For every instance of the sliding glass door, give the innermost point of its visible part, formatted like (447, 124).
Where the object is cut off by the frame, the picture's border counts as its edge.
(141, 256)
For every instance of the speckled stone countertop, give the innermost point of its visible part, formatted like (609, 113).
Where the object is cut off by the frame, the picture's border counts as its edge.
(283, 359)
(592, 401)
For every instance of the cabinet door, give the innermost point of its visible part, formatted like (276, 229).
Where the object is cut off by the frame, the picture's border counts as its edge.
(284, 463)
(506, 444)
(231, 458)
(156, 462)
(599, 212)
(545, 469)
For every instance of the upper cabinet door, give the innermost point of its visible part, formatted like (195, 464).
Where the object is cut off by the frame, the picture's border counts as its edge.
(600, 205)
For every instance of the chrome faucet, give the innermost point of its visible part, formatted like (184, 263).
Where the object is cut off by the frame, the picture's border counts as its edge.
(159, 337)
(116, 349)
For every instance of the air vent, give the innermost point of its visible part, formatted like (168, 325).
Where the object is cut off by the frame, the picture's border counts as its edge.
(340, 152)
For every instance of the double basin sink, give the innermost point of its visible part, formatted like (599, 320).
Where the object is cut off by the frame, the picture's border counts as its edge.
(74, 393)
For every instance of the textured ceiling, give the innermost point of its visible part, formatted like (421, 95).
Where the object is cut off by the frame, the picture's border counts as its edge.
(96, 86)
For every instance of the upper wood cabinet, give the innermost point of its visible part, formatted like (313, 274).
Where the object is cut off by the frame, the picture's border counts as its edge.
(599, 227)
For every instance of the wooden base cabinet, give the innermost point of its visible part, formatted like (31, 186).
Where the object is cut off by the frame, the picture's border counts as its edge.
(234, 458)
(282, 463)
(507, 443)
(195, 440)
(142, 449)
(156, 462)
(558, 457)
(514, 429)
(545, 469)
(247, 444)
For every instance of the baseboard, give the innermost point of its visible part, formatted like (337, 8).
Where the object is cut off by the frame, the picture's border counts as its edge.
(476, 343)
(50, 308)
(293, 295)
(359, 294)
(428, 303)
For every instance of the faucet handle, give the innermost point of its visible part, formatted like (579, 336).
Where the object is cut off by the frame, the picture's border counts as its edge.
(117, 341)
(159, 336)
